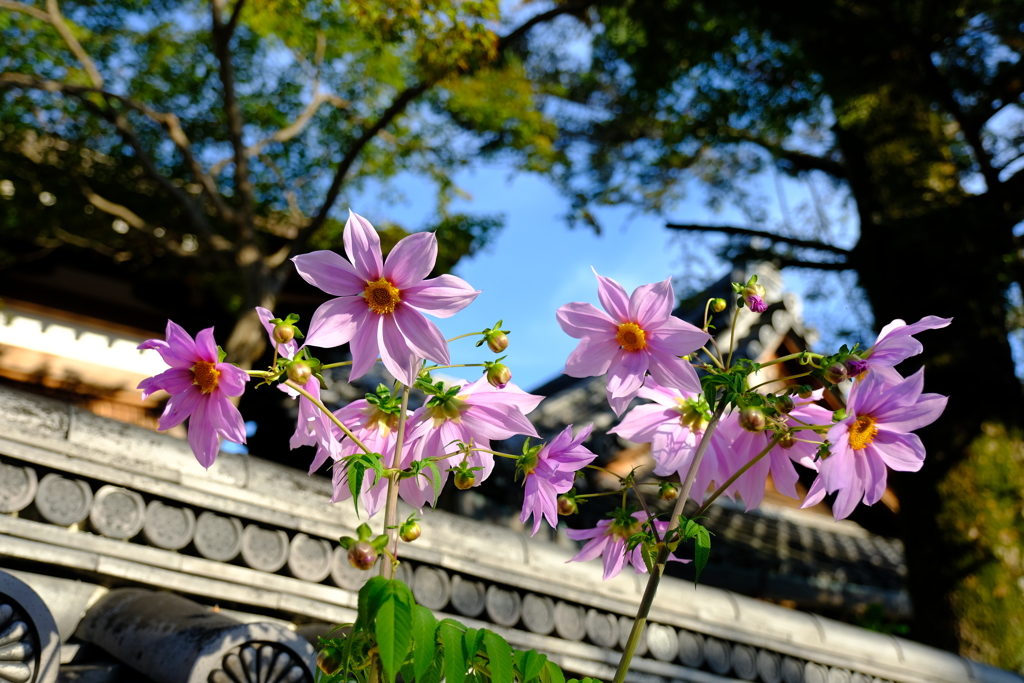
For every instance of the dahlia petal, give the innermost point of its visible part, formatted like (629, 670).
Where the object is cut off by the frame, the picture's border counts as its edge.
(582, 320)
(581, 534)
(498, 422)
(422, 335)
(179, 407)
(784, 475)
(441, 297)
(901, 452)
(375, 497)
(614, 558)
(875, 479)
(224, 417)
(664, 396)
(641, 422)
(613, 298)
(895, 342)
(180, 350)
(411, 260)
(915, 416)
(335, 321)
(399, 357)
(651, 304)
(626, 375)
(815, 494)
(330, 273)
(670, 371)
(677, 337)
(202, 437)
(363, 346)
(172, 380)
(591, 550)
(483, 393)
(206, 346)
(362, 244)
(232, 379)
(847, 500)
(591, 357)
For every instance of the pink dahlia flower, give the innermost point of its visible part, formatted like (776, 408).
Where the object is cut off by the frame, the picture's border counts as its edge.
(313, 427)
(637, 334)
(379, 306)
(673, 426)
(875, 435)
(552, 473)
(895, 344)
(477, 414)
(608, 539)
(200, 386)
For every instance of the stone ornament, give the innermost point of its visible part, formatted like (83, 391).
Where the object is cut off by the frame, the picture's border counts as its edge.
(264, 549)
(539, 613)
(691, 650)
(662, 642)
(602, 628)
(431, 587)
(570, 621)
(504, 607)
(18, 487)
(29, 641)
(117, 513)
(625, 628)
(716, 654)
(792, 670)
(309, 559)
(769, 666)
(468, 597)
(815, 673)
(218, 538)
(744, 662)
(63, 501)
(168, 527)
(260, 663)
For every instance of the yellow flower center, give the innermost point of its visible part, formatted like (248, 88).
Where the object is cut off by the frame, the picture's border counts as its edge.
(377, 419)
(862, 432)
(624, 529)
(381, 296)
(205, 376)
(631, 337)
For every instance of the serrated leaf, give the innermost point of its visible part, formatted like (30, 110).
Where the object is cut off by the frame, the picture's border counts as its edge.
(369, 601)
(436, 481)
(648, 558)
(424, 636)
(435, 672)
(471, 640)
(530, 664)
(355, 482)
(552, 673)
(454, 653)
(702, 551)
(500, 655)
(393, 628)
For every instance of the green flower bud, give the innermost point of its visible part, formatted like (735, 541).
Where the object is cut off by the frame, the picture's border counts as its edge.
(752, 419)
(497, 341)
(498, 375)
(329, 660)
(464, 480)
(409, 531)
(718, 305)
(787, 441)
(362, 555)
(284, 333)
(567, 505)
(668, 490)
(299, 372)
(784, 404)
(836, 373)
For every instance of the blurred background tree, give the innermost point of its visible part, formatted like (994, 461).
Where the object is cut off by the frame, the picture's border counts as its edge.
(914, 110)
(195, 147)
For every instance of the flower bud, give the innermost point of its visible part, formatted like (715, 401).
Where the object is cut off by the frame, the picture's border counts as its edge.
(668, 490)
(752, 419)
(329, 660)
(753, 297)
(784, 404)
(409, 531)
(464, 480)
(284, 333)
(362, 555)
(807, 393)
(567, 505)
(497, 341)
(836, 373)
(787, 441)
(718, 305)
(855, 366)
(299, 372)
(498, 375)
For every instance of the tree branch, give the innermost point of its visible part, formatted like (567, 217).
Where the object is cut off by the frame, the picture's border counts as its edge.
(53, 17)
(747, 232)
(796, 160)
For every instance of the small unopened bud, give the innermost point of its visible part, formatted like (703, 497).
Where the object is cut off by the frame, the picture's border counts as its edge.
(329, 660)
(497, 341)
(839, 415)
(753, 297)
(498, 375)
(668, 490)
(567, 505)
(806, 393)
(464, 480)
(718, 305)
(409, 531)
(752, 419)
(784, 404)
(787, 441)
(299, 372)
(855, 366)
(362, 555)
(836, 373)
(284, 333)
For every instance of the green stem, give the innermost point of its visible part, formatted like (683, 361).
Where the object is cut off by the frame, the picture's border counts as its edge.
(461, 365)
(659, 563)
(462, 336)
(739, 473)
(259, 373)
(387, 566)
(498, 453)
(333, 418)
(647, 510)
(707, 307)
(792, 356)
(712, 356)
(336, 365)
(780, 379)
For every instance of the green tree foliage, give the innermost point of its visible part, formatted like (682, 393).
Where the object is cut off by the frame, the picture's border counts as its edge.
(213, 140)
(915, 109)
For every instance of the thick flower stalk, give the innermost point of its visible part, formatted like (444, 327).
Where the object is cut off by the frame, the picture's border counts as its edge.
(637, 335)
(200, 386)
(380, 305)
(876, 434)
(550, 472)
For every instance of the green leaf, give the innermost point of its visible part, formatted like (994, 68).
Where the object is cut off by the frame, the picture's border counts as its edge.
(437, 481)
(369, 601)
(530, 664)
(702, 551)
(472, 640)
(393, 628)
(648, 558)
(424, 636)
(355, 482)
(500, 655)
(454, 653)
(552, 673)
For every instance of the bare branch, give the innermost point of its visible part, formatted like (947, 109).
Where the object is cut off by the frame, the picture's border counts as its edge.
(795, 160)
(747, 232)
(522, 30)
(53, 17)
(25, 9)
